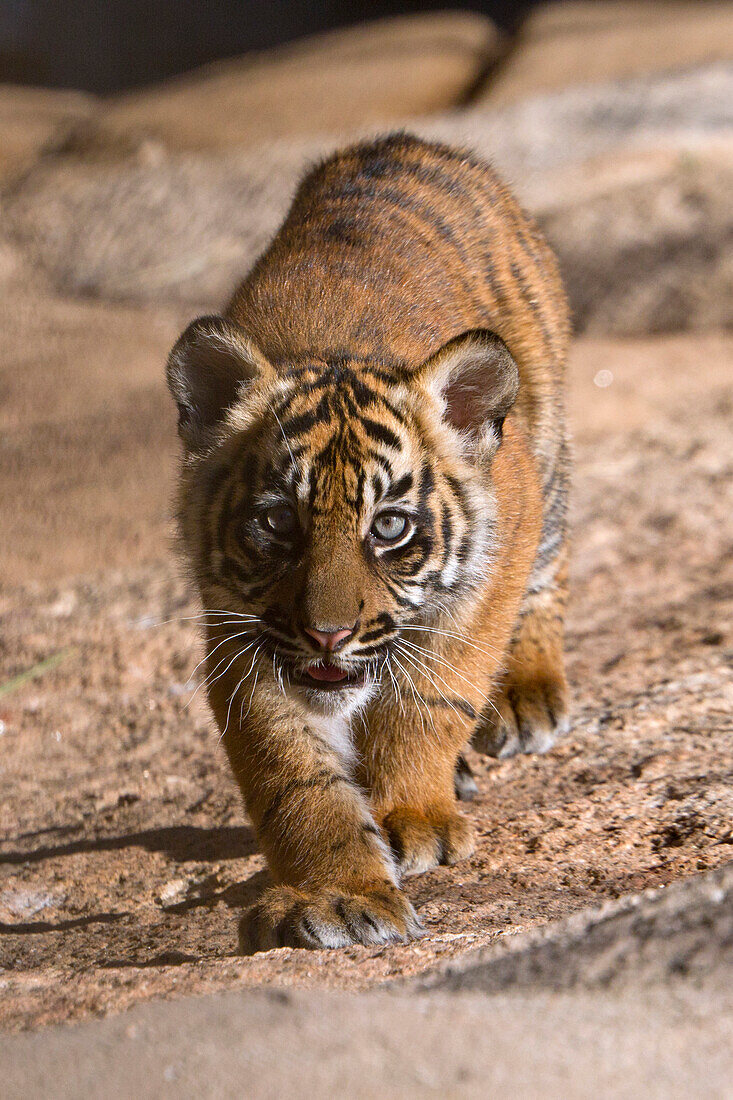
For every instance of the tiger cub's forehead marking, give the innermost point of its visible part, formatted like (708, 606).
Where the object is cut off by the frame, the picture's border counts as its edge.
(341, 436)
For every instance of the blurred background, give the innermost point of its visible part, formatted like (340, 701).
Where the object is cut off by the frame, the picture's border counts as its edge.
(126, 180)
(111, 45)
(147, 153)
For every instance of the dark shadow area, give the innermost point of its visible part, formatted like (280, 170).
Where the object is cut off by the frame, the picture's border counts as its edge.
(106, 47)
(37, 926)
(163, 958)
(180, 842)
(236, 896)
(125, 943)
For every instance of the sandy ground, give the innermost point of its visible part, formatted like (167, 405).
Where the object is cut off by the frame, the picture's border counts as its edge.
(125, 853)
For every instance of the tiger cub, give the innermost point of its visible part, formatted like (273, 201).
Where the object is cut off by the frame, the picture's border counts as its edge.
(372, 499)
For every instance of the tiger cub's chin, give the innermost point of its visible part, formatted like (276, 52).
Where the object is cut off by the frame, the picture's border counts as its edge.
(372, 501)
(322, 701)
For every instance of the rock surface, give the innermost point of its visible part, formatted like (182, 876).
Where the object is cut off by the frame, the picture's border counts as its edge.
(685, 930)
(378, 73)
(34, 121)
(631, 182)
(582, 42)
(658, 1043)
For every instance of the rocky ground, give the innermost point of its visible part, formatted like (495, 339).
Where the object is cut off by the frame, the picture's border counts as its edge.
(633, 999)
(126, 855)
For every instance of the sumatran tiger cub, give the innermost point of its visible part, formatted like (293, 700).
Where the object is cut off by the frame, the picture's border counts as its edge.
(372, 500)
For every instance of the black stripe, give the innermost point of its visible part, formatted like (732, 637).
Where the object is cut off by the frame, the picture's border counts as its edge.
(322, 780)
(380, 433)
(446, 530)
(400, 488)
(303, 422)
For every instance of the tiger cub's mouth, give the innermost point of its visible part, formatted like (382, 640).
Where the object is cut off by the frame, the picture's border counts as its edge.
(324, 676)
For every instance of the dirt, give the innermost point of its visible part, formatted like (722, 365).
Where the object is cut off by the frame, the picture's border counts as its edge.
(125, 852)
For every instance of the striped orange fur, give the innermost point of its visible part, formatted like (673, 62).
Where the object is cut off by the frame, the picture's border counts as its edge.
(372, 503)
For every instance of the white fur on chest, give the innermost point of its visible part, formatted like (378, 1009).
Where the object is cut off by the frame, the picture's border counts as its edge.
(335, 730)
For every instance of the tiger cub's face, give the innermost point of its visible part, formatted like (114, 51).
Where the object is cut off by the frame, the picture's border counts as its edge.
(335, 502)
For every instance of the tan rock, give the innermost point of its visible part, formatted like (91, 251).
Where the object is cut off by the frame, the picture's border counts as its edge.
(630, 180)
(645, 243)
(581, 42)
(381, 72)
(33, 120)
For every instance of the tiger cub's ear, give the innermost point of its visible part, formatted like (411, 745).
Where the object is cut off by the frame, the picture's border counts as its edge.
(477, 381)
(210, 365)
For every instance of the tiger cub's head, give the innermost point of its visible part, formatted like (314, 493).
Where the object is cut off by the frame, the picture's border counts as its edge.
(328, 504)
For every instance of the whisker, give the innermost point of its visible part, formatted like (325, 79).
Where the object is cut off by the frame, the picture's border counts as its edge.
(239, 617)
(451, 668)
(208, 656)
(287, 443)
(398, 693)
(234, 693)
(443, 661)
(251, 698)
(252, 693)
(415, 694)
(493, 653)
(210, 680)
(428, 674)
(277, 670)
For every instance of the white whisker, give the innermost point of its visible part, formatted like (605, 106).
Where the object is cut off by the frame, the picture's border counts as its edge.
(234, 693)
(208, 656)
(287, 444)
(239, 617)
(415, 694)
(398, 693)
(493, 653)
(428, 674)
(211, 678)
(451, 668)
(251, 698)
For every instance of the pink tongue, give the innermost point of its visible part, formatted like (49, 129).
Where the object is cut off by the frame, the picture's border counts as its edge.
(327, 673)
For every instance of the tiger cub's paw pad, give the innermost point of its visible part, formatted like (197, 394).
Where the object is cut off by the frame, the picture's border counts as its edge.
(284, 917)
(527, 719)
(420, 841)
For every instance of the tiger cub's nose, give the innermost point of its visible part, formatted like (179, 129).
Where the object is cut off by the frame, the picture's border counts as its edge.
(329, 639)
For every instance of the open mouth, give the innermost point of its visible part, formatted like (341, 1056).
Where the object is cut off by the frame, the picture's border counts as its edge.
(324, 676)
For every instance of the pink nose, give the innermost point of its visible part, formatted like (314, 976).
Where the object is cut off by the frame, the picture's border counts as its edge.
(329, 639)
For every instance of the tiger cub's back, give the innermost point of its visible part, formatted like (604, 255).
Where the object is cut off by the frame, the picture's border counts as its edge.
(394, 247)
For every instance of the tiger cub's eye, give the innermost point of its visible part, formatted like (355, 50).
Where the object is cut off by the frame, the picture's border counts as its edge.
(390, 526)
(281, 519)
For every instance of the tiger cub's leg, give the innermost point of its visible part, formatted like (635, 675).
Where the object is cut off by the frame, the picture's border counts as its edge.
(336, 878)
(530, 707)
(409, 768)
(464, 784)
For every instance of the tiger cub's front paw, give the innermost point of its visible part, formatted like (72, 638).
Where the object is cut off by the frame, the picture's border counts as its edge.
(423, 840)
(284, 917)
(525, 717)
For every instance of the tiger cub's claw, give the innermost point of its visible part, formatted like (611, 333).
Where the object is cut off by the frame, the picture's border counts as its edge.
(284, 917)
